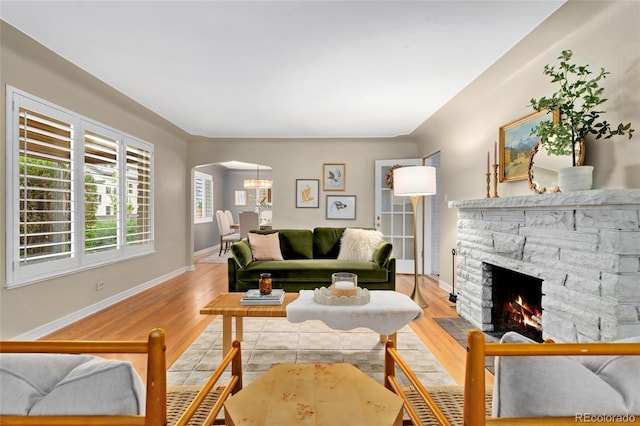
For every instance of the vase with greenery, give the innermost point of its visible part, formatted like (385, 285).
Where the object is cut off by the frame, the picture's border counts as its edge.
(578, 101)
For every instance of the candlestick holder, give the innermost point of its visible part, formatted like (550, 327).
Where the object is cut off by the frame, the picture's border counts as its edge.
(495, 181)
(488, 195)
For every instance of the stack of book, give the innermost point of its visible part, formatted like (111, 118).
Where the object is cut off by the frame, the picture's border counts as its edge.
(254, 297)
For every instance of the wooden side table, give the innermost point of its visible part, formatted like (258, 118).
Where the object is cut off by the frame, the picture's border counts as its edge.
(314, 394)
(228, 305)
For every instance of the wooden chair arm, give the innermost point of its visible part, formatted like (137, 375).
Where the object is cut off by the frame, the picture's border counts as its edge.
(233, 357)
(391, 359)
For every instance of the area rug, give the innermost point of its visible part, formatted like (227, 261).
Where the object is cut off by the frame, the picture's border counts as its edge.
(214, 258)
(270, 341)
(458, 328)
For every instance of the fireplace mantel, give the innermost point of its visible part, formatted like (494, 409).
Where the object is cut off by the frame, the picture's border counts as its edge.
(584, 245)
(594, 197)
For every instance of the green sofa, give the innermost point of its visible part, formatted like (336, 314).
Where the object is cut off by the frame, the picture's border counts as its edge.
(310, 257)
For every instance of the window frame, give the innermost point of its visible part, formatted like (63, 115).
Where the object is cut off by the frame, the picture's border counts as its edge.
(19, 273)
(207, 217)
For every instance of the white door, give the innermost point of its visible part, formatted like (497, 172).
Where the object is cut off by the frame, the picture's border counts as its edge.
(394, 215)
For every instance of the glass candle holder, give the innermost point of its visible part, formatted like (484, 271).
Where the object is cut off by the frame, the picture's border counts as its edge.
(344, 284)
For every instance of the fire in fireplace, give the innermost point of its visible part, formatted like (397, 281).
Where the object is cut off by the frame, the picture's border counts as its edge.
(517, 300)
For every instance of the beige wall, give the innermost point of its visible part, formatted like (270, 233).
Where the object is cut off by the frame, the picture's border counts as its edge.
(292, 159)
(28, 66)
(603, 34)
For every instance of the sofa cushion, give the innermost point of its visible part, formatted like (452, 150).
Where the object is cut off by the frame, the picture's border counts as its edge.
(359, 244)
(294, 243)
(57, 384)
(326, 242)
(562, 385)
(312, 270)
(265, 247)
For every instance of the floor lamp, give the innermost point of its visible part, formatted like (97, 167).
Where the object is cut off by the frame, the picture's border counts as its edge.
(415, 182)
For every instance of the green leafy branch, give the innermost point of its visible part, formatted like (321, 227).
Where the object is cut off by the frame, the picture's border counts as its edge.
(577, 101)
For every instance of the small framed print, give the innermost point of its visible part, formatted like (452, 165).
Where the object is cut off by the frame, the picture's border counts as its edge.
(307, 193)
(341, 207)
(333, 176)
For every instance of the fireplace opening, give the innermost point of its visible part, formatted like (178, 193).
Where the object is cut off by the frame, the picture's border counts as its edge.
(517, 303)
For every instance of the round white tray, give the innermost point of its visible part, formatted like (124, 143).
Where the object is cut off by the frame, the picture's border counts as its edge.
(323, 296)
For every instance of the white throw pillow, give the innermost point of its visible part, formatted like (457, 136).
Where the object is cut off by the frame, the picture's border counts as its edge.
(359, 244)
(265, 246)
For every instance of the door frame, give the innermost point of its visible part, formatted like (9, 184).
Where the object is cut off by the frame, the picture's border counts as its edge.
(384, 194)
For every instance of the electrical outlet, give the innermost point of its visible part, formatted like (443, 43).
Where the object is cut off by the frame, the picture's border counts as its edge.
(100, 286)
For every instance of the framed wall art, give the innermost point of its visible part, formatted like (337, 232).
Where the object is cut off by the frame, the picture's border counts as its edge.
(307, 193)
(333, 176)
(341, 206)
(516, 142)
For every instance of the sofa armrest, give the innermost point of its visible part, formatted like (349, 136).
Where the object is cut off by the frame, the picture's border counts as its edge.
(232, 269)
(241, 253)
(382, 254)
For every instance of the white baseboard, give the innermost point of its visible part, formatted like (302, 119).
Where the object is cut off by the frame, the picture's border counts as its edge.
(206, 250)
(445, 286)
(66, 320)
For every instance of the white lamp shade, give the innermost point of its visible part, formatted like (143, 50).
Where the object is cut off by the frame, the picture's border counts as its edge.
(414, 180)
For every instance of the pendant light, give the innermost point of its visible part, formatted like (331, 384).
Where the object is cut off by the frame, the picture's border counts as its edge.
(257, 182)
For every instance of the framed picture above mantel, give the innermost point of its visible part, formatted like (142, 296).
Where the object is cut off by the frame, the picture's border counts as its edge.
(516, 143)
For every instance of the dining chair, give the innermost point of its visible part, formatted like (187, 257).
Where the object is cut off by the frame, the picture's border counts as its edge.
(232, 224)
(226, 236)
(248, 220)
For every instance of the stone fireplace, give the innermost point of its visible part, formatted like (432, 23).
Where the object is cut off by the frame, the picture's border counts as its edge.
(516, 301)
(584, 246)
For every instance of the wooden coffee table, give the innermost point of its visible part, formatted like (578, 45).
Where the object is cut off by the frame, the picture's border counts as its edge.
(228, 305)
(314, 394)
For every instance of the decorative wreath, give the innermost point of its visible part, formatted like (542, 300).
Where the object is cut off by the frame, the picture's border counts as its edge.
(389, 178)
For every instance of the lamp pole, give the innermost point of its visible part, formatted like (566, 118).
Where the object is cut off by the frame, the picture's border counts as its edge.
(416, 296)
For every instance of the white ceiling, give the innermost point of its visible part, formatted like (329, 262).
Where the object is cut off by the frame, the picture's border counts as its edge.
(240, 165)
(283, 68)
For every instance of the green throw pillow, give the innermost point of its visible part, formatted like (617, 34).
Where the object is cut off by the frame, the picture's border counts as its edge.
(382, 253)
(241, 252)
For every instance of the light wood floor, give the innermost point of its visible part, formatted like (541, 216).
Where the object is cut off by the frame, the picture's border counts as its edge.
(175, 304)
